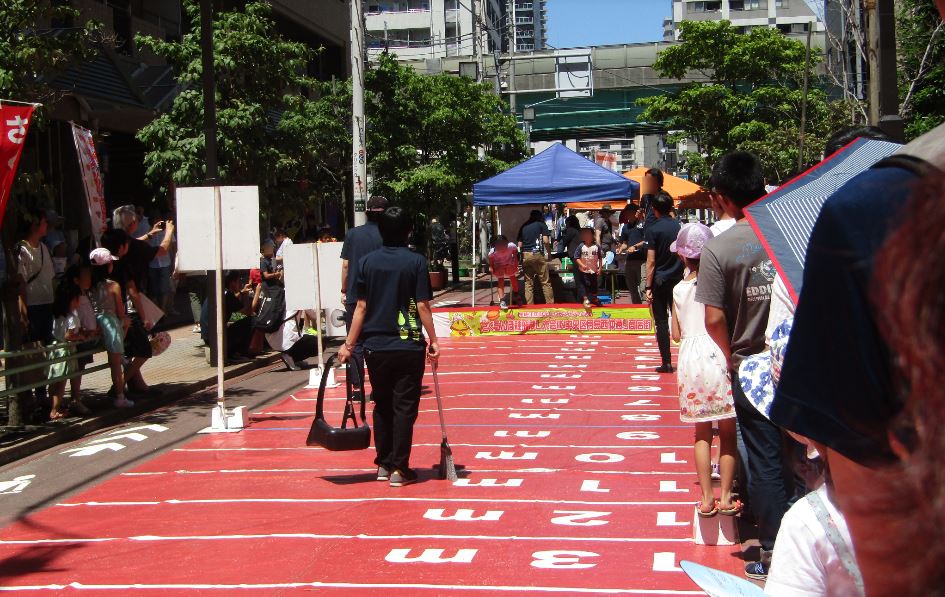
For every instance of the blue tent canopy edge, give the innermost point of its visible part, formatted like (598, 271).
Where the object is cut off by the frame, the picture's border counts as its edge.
(556, 175)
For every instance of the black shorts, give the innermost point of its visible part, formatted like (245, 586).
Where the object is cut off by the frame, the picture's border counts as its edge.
(137, 340)
(86, 346)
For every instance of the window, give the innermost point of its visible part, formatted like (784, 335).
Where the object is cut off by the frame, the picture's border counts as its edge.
(121, 22)
(704, 6)
(780, 3)
(399, 38)
(379, 6)
(747, 4)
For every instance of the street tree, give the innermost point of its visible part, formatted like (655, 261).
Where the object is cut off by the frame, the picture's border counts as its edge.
(745, 93)
(430, 137)
(920, 37)
(38, 39)
(267, 118)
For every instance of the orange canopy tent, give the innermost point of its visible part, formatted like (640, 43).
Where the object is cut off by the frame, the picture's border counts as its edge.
(686, 195)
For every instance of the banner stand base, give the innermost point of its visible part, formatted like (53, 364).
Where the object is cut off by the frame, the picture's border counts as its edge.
(315, 378)
(223, 420)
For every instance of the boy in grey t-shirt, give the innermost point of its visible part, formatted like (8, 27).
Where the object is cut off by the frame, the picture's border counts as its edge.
(735, 277)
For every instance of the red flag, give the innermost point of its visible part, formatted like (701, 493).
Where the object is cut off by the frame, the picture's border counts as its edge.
(14, 122)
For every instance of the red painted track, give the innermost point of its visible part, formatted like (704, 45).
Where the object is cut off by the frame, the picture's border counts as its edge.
(574, 453)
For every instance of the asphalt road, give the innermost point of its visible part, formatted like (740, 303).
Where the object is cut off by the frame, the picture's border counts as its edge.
(51, 476)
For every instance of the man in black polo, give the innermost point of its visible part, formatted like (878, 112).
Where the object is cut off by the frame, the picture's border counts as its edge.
(663, 271)
(359, 241)
(534, 243)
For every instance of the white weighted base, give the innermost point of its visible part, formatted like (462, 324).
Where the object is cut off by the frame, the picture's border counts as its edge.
(717, 530)
(226, 420)
(315, 378)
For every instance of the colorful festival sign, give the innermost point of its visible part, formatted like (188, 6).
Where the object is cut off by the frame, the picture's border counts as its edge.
(15, 119)
(91, 180)
(539, 319)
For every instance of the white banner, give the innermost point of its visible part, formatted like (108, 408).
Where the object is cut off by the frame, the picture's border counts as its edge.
(301, 279)
(196, 228)
(91, 180)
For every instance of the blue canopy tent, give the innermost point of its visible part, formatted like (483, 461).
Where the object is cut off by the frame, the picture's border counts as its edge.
(556, 175)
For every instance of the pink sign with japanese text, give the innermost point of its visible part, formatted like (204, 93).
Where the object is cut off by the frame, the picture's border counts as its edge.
(91, 180)
(15, 120)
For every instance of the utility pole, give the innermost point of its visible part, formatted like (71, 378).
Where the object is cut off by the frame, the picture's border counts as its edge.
(358, 150)
(883, 88)
(800, 142)
(514, 32)
(214, 284)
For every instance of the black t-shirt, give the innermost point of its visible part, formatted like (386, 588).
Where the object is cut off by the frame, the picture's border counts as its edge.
(359, 241)
(531, 236)
(570, 239)
(632, 234)
(267, 265)
(650, 216)
(659, 236)
(836, 384)
(134, 265)
(392, 280)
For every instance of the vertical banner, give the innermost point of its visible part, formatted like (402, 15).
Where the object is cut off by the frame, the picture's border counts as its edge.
(91, 180)
(16, 122)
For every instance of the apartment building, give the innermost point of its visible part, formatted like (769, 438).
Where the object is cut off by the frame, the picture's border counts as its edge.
(792, 17)
(433, 29)
(529, 22)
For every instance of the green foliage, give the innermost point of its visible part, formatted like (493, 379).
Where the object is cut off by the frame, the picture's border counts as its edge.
(29, 52)
(920, 37)
(269, 133)
(750, 98)
(425, 134)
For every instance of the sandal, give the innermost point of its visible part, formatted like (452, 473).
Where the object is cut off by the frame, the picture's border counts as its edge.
(710, 513)
(734, 510)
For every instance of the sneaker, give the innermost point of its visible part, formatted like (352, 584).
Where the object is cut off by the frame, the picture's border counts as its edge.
(715, 471)
(122, 402)
(504, 305)
(400, 478)
(196, 329)
(383, 474)
(587, 303)
(757, 570)
(290, 363)
(665, 368)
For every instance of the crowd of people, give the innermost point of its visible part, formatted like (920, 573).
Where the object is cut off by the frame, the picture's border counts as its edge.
(827, 410)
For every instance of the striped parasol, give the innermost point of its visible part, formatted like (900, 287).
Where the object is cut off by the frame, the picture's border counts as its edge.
(784, 218)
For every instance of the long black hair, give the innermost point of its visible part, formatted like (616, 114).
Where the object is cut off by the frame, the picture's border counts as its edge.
(66, 292)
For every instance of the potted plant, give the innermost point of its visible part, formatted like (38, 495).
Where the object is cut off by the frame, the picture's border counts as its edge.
(437, 275)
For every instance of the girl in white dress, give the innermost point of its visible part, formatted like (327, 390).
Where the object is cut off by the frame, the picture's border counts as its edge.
(705, 391)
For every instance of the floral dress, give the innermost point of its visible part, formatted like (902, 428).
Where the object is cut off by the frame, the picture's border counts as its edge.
(705, 390)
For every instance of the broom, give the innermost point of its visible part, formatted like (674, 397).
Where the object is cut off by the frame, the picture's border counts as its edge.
(447, 468)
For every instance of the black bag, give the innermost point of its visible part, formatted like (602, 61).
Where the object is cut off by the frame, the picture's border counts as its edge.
(272, 312)
(357, 437)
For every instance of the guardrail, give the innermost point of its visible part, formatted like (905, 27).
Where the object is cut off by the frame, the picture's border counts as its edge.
(13, 388)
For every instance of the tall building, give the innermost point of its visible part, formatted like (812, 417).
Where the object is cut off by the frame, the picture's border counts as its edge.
(432, 29)
(529, 24)
(790, 16)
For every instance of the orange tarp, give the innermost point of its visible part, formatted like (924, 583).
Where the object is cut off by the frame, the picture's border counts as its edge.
(686, 195)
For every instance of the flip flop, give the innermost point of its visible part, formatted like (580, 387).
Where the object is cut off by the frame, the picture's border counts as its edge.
(734, 510)
(710, 513)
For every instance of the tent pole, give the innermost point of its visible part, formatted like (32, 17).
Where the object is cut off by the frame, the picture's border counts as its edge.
(475, 258)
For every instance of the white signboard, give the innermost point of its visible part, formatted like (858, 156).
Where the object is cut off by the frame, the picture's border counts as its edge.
(719, 584)
(301, 279)
(329, 268)
(196, 240)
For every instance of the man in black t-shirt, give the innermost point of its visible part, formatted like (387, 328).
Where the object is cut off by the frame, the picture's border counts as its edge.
(650, 187)
(663, 271)
(632, 243)
(359, 241)
(393, 293)
(534, 243)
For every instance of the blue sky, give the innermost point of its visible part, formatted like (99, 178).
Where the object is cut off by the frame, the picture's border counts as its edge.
(574, 23)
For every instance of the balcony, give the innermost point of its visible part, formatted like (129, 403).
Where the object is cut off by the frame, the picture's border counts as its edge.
(524, 20)
(379, 7)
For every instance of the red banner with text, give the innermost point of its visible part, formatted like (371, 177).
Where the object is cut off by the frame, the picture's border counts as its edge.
(91, 180)
(15, 119)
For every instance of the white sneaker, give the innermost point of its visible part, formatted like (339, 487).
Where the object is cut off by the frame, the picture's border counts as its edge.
(504, 305)
(587, 303)
(122, 402)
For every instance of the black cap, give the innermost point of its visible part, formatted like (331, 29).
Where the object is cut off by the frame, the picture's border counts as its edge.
(377, 203)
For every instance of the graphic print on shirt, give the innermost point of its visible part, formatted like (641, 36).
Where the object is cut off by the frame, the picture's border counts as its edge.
(759, 284)
(588, 258)
(408, 323)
